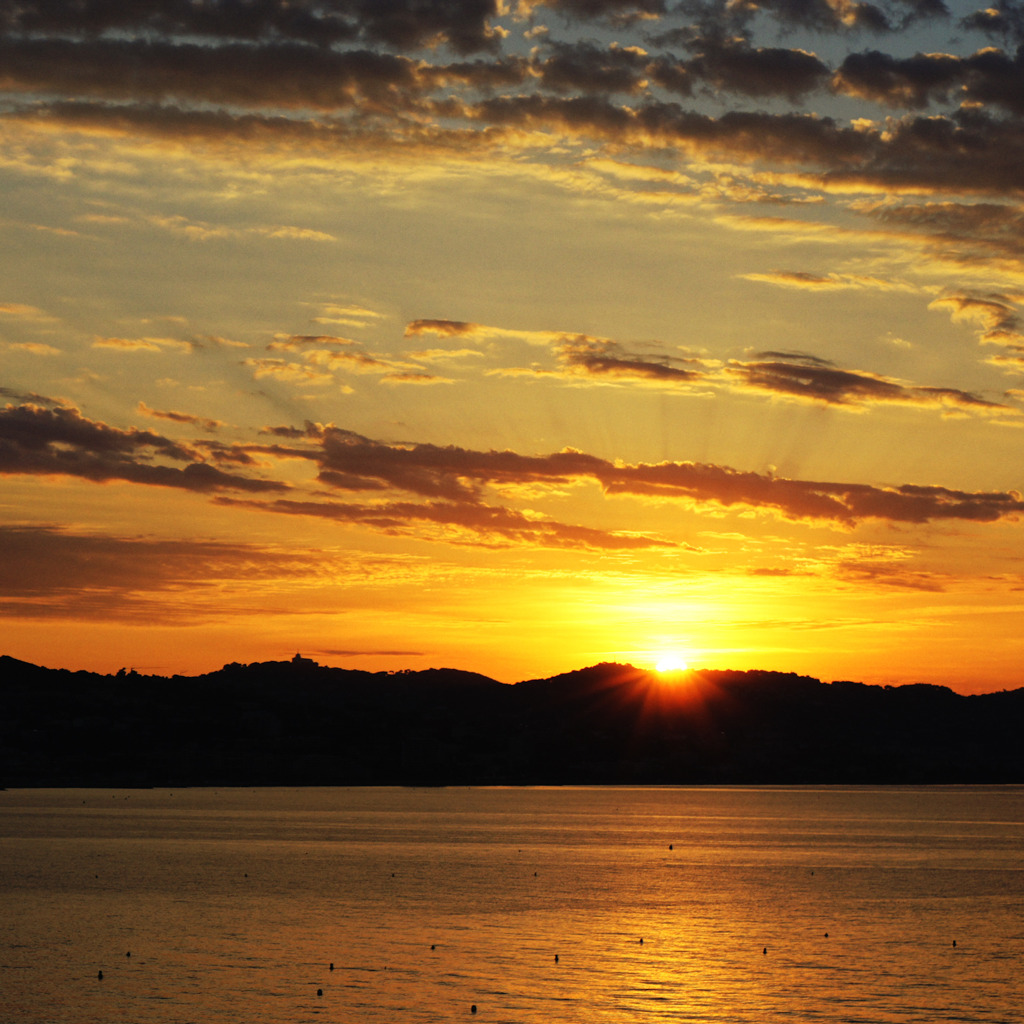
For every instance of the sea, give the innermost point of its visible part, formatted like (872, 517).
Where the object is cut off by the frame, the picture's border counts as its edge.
(743, 905)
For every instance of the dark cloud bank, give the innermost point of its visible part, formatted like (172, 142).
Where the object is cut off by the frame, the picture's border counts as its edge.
(378, 72)
(414, 485)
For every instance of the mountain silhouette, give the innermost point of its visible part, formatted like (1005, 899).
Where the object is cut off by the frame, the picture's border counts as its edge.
(299, 723)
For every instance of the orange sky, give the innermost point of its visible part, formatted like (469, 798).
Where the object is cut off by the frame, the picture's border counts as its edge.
(514, 336)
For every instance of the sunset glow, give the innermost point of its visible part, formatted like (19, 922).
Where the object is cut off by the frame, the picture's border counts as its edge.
(514, 337)
(671, 663)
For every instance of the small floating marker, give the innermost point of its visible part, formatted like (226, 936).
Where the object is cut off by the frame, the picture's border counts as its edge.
(954, 943)
(472, 1009)
(432, 947)
(670, 846)
(641, 941)
(129, 953)
(319, 991)
(826, 935)
(556, 958)
(99, 976)
(765, 951)
(331, 968)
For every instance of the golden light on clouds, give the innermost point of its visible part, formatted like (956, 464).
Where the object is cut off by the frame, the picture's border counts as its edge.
(514, 337)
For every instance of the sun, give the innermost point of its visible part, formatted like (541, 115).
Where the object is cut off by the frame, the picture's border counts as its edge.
(670, 663)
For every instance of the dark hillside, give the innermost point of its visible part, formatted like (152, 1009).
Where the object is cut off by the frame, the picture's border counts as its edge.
(299, 723)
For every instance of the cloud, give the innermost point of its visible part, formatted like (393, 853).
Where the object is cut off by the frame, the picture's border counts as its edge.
(277, 75)
(959, 233)
(61, 442)
(461, 522)
(846, 504)
(30, 397)
(204, 423)
(1004, 21)
(51, 572)
(580, 355)
(619, 12)
(733, 66)
(220, 342)
(442, 355)
(339, 355)
(35, 348)
(201, 231)
(351, 462)
(414, 378)
(297, 234)
(995, 314)
(987, 77)
(585, 67)
(347, 315)
(479, 332)
(912, 82)
(22, 311)
(968, 152)
(464, 25)
(602, 358)
(842, 15)
(289, 372)
(828, 282)
(811, 379)
(301, 342)
(797, 376)
(292, 81)
(143, 344)
(442, 328)
(464, 496)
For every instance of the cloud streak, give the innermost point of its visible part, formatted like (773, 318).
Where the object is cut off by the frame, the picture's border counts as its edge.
(460, 495)
(795, 376)
(61, 442)
(457, 475)
(814, 380)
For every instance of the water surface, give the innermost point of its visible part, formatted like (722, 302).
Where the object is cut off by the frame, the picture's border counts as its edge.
(536, 905)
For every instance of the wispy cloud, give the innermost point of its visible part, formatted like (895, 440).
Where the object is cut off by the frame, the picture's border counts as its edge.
(188, 419)
(803, 280)
(143, 344)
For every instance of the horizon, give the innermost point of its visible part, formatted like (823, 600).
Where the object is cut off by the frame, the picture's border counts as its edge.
(526, 335)
(671, 678)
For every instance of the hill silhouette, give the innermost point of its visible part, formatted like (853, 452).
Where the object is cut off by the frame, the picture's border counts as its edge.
(299, 723)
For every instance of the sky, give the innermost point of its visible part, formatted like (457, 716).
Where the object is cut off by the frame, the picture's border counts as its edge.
(514, 335)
